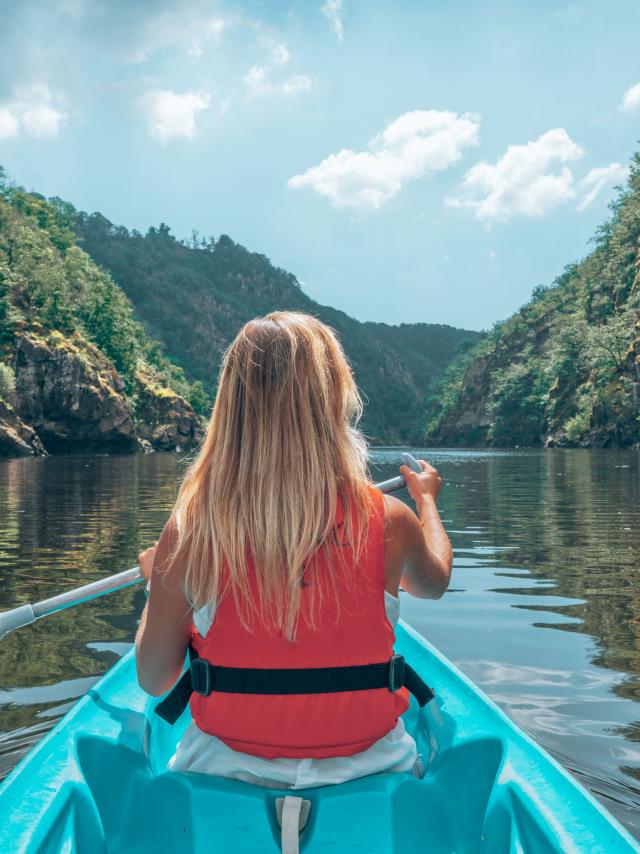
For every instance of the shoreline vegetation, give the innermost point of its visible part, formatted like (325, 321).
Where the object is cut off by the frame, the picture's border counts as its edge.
(563, 371)
(110, 341)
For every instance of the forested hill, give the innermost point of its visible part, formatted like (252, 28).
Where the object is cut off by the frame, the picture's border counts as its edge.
(194, 298)
(565, 369)
(77, 371)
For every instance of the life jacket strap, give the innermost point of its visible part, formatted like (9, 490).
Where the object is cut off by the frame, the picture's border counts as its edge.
(203, 678)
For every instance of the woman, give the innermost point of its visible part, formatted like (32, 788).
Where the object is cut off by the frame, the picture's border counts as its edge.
(281, 560)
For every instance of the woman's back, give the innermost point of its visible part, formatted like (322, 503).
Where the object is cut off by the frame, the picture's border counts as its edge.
(348, 629)
(298, 587)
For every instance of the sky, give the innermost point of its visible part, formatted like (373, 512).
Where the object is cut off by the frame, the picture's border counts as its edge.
(407, 161)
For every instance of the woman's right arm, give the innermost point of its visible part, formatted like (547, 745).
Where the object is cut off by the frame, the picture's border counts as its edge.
(418, 553)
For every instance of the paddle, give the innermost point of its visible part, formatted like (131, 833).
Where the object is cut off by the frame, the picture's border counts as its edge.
(24, 615)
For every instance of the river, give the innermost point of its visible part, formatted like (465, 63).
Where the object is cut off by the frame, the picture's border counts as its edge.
(543, 611)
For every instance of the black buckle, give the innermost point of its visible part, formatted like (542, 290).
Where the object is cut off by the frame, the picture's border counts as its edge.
(201, 677)
(396, 672)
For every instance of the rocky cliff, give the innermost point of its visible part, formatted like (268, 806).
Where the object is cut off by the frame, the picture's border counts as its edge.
(77, 373)
(68, 398)
(17, 439)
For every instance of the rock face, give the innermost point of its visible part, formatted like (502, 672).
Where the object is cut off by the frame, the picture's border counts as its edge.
(165, 420)
(17, 439)
(72, 396)
(468, 423)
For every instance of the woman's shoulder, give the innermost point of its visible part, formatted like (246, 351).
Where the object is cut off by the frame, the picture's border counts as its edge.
(399, 517)
(169, 555)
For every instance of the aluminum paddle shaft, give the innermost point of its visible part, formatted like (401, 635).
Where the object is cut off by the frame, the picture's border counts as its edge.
(26, 614)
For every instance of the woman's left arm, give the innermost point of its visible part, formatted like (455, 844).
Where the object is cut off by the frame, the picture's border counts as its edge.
(165, 627)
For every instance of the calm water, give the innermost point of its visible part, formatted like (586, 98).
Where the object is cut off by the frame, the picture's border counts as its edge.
(543, 611)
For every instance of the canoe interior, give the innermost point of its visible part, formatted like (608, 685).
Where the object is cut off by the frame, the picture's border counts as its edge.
(97, 784)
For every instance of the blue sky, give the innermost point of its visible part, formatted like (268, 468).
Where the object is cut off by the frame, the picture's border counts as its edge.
(406, 160)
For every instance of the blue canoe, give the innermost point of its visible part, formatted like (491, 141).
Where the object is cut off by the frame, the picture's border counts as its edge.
(97, 783)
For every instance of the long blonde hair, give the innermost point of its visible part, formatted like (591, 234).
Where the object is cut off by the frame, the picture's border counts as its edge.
(282, 448)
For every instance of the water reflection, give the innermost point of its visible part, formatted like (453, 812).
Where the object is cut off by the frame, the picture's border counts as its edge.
(545, 611)
(542, 612)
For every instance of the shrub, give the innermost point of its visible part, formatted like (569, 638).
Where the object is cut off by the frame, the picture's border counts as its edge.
(7, 382)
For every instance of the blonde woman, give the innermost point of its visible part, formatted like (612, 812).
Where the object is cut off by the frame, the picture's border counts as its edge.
(280, 569)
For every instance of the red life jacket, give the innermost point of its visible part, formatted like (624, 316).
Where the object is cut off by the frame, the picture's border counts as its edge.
(351, 628)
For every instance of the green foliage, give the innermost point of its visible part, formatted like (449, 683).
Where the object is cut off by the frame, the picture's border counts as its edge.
(6, 318)
(194, 296)
(104, 313)
(566, 367)
(577, 426)
(168, 308)
(520, 392)
(199, 399)
(46, 279)
(53, 216)
(7, 382)
(444, 393)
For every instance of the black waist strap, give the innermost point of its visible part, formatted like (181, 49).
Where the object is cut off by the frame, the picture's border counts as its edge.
(204, 677)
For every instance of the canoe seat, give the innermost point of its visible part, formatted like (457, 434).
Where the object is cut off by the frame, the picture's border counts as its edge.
(184, 811)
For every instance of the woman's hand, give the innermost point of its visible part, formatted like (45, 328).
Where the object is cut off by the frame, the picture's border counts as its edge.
(145, 561)
(166, 625)
(420, 548)
(427, 483)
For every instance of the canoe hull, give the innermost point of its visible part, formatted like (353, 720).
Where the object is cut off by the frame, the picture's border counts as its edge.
(97, 783)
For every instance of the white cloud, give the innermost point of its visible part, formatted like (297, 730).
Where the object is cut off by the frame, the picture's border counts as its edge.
(224, 106)
(8, 123)
(631, 98)
(296, 84)
(261, 80)
(334, 13)
(188, 30)
(603, 177)
(523, 180)
(277, 51)
(173, 114)
(258, 83)
(412, 146)
(30, 110)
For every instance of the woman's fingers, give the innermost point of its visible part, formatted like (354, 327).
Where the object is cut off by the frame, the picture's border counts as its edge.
(428, 482)
(145, 560)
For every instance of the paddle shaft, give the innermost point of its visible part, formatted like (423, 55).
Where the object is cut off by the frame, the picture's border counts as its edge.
(24, 615)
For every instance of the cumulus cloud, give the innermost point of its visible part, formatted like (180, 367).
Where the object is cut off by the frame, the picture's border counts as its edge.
(414, 145)
(528, 179)
(631, 98)
(598, 179)
(32, 111)
(173, 115)
(334, 12)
